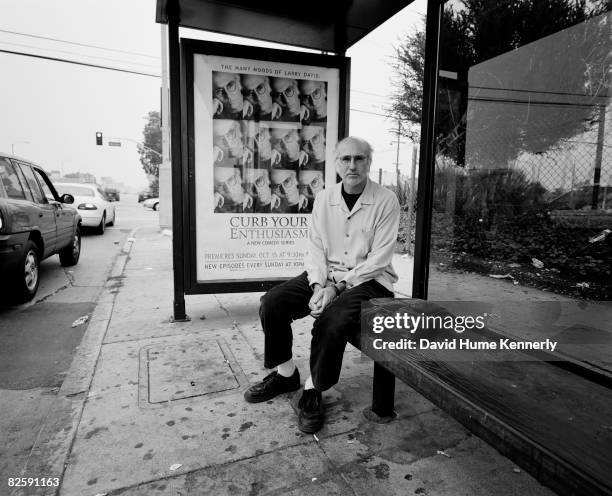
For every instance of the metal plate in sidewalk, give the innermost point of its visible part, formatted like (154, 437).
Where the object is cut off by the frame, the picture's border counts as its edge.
(191, 368)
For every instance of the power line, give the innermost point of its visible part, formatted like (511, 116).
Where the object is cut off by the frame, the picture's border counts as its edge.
(76, 53)
(368, 93)
(534, 102)
(79, 44)
(371, 113)
(56, 59)
(67, 61)
(536, 91)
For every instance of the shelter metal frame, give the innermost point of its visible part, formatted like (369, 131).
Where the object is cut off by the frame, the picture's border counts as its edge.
(184, 278)
(189, 48)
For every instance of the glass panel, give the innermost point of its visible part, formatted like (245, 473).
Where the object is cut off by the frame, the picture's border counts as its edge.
(10, 180)
(24, 184)
(45, 187)
(523, 182)
(32, 183)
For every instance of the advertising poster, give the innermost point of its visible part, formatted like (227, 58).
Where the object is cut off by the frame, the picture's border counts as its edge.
(264, 135)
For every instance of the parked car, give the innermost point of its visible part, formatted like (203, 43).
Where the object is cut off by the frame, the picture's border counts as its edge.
(151, 203)
(35, 223)
(96, 211)
(112, 194)
(145, 195)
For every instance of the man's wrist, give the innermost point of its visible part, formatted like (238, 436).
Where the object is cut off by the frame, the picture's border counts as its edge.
(314, 286)
(339, 287)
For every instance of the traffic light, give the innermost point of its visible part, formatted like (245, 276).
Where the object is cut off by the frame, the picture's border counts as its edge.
(98, 138)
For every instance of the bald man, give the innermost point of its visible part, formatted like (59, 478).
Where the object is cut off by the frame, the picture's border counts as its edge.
(313, 96)
(312, 140)
(351, 244)
(228, 102)
(256, 89)
(286, 94)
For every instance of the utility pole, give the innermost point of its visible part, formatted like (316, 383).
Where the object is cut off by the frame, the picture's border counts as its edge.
(398, 133)
(397, 173)
(411, 196)
(598, 156)
(380, 175)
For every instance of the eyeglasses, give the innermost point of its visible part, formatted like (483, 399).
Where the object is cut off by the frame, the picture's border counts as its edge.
(233, 134)
(289, 182)
(232, 181)
(358, 159)
(315, 140)
(262, 181)
(290, 137)
(316, 94)
(259, 90)
(316, 184)
(231, 87)
(288, 92)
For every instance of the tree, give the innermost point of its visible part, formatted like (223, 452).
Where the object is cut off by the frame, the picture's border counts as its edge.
(490, 45)
(150, 150)
(406, 102)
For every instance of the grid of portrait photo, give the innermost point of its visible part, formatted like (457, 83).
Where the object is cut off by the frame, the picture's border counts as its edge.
(269, 143)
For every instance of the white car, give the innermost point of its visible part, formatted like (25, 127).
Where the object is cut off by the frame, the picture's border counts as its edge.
(151, 203)
(91, 203)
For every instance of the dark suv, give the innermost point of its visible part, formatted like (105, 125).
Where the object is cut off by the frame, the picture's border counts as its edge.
(35, 223)
(112, 194)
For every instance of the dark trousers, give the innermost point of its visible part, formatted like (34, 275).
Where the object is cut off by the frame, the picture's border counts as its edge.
(340, 320)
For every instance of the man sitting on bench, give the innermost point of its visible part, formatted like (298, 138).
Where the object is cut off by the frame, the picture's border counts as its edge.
(352, 240)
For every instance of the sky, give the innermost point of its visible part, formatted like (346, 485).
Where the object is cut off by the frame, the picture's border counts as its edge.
(52, 110)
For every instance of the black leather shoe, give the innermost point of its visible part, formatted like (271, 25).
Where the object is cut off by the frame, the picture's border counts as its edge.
(311, 415)
(272, 385)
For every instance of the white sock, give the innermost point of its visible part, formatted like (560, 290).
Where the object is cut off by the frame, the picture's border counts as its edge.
(286, 369)
(308, 384)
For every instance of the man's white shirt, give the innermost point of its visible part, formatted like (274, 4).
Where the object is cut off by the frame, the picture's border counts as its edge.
(355, 246)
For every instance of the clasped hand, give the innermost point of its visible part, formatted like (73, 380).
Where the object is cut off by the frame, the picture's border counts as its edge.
(320, 299)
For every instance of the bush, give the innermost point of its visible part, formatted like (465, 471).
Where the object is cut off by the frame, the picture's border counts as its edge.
(497, 215)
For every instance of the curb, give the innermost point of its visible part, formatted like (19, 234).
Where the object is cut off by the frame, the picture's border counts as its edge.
(51, 449)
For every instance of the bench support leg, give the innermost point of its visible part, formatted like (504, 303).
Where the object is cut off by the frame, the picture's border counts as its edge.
(383, 396)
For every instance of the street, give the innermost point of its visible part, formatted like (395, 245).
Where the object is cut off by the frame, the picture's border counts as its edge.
(38, 340)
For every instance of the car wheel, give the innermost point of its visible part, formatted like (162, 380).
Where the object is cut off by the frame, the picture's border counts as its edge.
(112, 222)
(102, 226)
(28, 273)
(155, 206)
(69, 255)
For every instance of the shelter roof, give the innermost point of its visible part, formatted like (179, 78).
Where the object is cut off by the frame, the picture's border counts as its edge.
(328, 25)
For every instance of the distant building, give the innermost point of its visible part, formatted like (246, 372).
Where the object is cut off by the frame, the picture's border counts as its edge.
(79, 177)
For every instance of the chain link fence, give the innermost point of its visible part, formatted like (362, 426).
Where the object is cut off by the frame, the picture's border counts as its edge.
(541, 204)
(569, 171)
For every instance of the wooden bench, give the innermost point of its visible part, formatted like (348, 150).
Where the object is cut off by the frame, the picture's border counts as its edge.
(553, 422)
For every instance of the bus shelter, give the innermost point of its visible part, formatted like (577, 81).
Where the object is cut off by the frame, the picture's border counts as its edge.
(330, 28)
(514, 199)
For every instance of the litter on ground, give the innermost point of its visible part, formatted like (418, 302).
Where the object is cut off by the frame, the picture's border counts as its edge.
(80, 320)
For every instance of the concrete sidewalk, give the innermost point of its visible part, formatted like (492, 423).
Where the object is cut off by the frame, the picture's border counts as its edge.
(153, 407)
